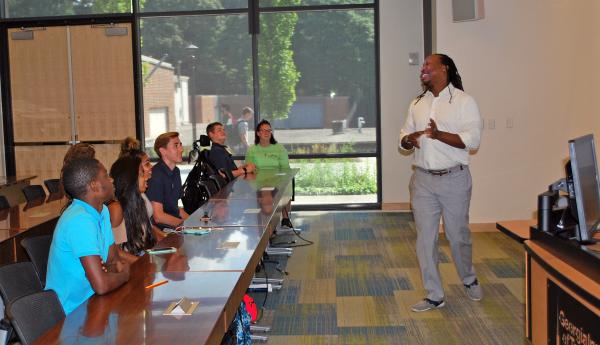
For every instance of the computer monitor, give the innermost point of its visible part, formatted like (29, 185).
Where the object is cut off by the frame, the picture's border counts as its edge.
(586, 186)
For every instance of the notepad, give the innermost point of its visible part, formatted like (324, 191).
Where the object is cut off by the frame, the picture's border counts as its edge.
(252, 210)
(182, 307)
(228, 245)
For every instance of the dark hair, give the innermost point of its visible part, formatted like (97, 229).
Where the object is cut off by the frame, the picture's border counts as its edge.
(125, 173)
(78, 174)
(163, 140)
(211, 127)
(453, 76)
(79, 150)
(129, 146)
(257, 138)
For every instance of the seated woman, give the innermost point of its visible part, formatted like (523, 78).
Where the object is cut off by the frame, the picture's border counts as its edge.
(128, 214)
(266, 153)
(131, 147)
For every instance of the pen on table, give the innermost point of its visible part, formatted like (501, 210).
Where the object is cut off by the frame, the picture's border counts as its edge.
(157, 284)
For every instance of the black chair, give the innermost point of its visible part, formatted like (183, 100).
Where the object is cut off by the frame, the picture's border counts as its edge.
(4, 203)
(34, 192)
(38, 249)
(53, 185)
(17, 280)
(34, 314)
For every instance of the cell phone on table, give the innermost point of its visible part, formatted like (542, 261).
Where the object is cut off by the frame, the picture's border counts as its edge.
(161, 250)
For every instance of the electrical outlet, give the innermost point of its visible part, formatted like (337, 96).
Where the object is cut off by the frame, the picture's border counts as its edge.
(509, 122)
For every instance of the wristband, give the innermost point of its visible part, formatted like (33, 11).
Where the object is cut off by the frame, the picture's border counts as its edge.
(245, 171)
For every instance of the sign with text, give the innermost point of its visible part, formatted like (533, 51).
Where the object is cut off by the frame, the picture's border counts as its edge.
(569, 321)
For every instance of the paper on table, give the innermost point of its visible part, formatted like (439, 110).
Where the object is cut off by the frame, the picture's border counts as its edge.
(182, 307)
(228, 245)
(252, 210)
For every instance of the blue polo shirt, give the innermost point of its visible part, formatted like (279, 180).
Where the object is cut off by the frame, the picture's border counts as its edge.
(165, 187)
(80, 231)
(220, 157)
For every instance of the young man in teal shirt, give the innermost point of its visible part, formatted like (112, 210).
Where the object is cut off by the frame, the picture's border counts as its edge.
(83, 257)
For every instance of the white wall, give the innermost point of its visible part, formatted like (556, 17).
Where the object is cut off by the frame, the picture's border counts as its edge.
(533, 62)
(401, 32)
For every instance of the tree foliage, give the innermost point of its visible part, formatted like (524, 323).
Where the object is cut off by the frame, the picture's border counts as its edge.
(277, 71)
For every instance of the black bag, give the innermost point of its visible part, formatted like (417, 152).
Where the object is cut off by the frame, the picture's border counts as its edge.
(194, 192)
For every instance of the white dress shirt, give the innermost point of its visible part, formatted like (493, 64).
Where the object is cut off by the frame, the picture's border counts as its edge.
(453, 111)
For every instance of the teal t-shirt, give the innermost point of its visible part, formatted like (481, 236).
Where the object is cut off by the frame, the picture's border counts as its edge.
(273, 156)
(80, 231)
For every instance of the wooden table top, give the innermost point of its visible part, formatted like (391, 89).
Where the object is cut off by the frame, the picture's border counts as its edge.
(517, 229)
(133, 314)
(25, 216)
(209, 269)
(249, 186)
(230, 249)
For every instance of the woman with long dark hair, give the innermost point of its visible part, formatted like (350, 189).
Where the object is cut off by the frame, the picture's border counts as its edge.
(128, 214)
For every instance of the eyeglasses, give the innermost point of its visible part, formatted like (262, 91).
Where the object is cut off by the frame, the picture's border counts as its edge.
(266, 130)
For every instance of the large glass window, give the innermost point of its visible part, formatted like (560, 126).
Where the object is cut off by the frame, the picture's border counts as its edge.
(318, 89)
(194, 69)
(317, 80)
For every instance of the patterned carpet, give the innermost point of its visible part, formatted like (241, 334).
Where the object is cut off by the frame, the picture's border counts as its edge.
(356, 284)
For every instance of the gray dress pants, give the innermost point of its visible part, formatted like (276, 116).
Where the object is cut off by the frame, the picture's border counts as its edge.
(448, 196)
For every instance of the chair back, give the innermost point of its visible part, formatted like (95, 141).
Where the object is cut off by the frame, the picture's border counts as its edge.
(38, 249)
(53, 185)
(4, 203)
(17, 280)
(209, 186)
(33, 315)
(34, 192)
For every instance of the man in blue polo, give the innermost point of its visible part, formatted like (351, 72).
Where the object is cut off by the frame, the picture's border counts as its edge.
(83, 257)
(164, 188)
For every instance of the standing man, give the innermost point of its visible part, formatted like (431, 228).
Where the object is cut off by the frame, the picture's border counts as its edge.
(83, 257)
(220, 154)
(164, 188)
(442, 126)
(242, 129)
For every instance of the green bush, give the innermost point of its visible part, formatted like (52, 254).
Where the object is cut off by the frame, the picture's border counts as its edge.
(339, 178)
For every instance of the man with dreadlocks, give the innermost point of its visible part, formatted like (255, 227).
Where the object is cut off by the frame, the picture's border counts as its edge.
(442, 126)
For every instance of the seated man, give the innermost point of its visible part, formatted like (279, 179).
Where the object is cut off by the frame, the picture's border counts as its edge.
(220, 155)
(164, 188)
(83, 257)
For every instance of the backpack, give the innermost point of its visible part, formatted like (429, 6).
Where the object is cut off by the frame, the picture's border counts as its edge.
(238, 332)
(251, 308)
(194, 192)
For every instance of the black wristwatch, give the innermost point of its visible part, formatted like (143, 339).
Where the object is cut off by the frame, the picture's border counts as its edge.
(245, 171)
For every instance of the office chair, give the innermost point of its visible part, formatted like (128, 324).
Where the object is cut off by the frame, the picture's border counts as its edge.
(38, 249)
(32, 315)
(34, 192)
(53, 185)
(16, 280)
(4, 203)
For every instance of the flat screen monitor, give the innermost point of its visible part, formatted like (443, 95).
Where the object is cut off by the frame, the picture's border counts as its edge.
(586, 186)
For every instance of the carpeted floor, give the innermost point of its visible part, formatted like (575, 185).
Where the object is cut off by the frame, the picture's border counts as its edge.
(356, 284)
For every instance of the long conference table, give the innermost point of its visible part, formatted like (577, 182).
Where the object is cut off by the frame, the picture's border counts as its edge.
(214, 270)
